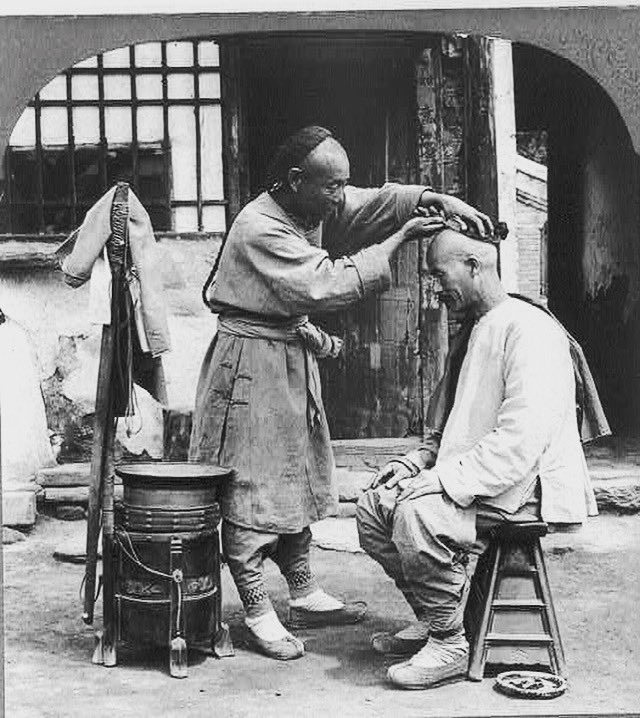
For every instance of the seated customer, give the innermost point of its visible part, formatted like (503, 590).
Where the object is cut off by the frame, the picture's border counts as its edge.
(505, 446)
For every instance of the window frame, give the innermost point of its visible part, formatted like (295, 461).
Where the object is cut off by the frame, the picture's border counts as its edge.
(68, 103)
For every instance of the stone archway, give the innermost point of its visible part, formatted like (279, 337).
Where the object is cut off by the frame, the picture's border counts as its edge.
(601, 41)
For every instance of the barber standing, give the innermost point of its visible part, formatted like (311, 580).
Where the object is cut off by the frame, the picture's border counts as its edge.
(258, 403)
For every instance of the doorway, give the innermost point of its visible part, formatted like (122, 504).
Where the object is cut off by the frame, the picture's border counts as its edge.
(363, 90)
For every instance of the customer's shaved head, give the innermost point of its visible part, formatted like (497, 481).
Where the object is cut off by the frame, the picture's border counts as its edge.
(467, 271)
(449, 244)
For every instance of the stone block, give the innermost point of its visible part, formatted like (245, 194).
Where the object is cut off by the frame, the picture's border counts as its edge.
(346, 510)
(370, 454)
(18, 508)
(10, 536)
(70, 512)
(65, 475)
(352, 483)
(621, 495)
(66, 494)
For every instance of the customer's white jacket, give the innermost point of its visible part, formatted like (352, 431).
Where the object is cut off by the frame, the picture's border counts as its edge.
(514, 419)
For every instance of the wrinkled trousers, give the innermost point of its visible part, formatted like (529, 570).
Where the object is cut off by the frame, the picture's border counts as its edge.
(430, 547)
(245, 550)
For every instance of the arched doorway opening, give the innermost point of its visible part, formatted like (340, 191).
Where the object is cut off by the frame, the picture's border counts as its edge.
(593, 218)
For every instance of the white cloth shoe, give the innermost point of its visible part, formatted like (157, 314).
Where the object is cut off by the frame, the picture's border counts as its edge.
(441, 659)
(273, 639)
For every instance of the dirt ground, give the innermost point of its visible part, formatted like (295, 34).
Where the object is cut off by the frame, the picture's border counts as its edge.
(48, 670)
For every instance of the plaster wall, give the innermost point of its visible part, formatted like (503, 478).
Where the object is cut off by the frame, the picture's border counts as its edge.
(67, 346)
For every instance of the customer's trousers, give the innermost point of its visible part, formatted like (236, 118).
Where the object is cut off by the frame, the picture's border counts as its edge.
(245, 550)
(430, 547)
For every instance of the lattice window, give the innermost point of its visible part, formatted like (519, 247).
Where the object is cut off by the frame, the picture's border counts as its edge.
(148, 114)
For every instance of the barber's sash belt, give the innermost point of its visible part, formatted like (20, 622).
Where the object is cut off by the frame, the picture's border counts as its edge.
(281, 331)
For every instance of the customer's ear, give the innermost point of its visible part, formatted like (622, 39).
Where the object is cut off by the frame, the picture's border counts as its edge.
(294, 177)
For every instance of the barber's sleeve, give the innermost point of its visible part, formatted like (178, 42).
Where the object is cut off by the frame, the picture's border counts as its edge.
(538, 390)
(370, 215)
(303, 278)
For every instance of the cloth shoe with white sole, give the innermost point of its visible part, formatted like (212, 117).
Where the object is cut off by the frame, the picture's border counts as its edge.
(402, 644)
(441, 659)
(304, 618)
(270, 637)
(319, 609)
(282, 649)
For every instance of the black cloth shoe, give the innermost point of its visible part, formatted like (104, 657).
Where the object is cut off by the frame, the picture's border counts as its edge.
(388, 644)
(304, 618)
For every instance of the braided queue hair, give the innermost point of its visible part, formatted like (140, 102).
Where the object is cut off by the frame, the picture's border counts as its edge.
(468, 229)
(291, 153)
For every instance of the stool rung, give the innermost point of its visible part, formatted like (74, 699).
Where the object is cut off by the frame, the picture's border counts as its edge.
(509, 639)
(517, 603)
(509, 571)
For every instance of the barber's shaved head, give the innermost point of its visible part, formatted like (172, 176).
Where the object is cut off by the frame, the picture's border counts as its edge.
(466, 268)
(327, 153)
(309, 174)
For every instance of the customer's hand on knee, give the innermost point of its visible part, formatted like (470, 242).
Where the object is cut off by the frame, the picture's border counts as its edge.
(426, 482)
(391, 473)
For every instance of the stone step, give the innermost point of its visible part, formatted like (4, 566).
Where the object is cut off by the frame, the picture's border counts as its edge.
(615, 490)
(19, 508)
(66, 494)
(619, 495)
(70, 494)
(370, 454)
(65, 475)
(616, 484)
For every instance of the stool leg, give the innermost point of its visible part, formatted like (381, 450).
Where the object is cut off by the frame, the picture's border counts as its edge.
(556, 651)
(479, 651)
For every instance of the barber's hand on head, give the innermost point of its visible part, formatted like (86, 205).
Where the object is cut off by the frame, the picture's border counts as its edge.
(422, 226)
(390, 474)
(450, 205)
(426, 482)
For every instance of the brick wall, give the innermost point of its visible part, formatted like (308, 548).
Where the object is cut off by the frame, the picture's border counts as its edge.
(531, 217)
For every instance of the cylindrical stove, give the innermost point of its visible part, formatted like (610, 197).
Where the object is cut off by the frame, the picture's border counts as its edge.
(166, 558)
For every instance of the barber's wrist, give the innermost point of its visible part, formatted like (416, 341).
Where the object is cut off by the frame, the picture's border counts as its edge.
(428, 197)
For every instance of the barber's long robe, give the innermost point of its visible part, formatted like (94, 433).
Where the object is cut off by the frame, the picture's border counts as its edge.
(252, 398)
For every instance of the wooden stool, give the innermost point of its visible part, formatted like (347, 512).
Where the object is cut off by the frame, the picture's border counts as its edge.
(510, 618)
